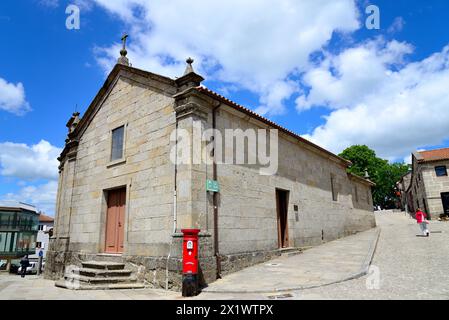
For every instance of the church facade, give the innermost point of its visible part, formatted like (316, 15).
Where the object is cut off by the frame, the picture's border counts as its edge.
(148, 158)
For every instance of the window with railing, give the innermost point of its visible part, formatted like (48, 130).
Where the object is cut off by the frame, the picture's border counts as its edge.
(23, 221)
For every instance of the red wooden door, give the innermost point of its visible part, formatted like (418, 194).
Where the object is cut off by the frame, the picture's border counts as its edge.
(115, 221)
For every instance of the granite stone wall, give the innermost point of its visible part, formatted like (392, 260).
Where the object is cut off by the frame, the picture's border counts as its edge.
(247, 215)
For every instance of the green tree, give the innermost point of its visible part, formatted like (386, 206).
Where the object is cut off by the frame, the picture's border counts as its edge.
(381, 172)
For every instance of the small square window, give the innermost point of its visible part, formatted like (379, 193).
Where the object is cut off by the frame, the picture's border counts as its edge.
(441, 171)
(117, 143)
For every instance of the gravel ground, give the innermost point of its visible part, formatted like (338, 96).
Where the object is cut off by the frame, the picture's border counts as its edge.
(409, 267)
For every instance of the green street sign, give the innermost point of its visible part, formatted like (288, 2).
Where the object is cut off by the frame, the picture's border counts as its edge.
(212, 185)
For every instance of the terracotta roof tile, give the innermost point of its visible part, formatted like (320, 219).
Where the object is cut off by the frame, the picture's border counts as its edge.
(44, 218)
(434, 155)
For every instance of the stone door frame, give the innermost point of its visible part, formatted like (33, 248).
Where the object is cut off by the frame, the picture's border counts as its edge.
(282, 201)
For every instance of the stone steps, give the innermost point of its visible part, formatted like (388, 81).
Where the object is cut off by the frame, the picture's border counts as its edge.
(89, 272)
(103, 265)
(99, 280)
(82, 286)
(99, 275)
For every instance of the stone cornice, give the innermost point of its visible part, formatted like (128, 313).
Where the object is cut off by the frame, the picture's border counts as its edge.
(191, 102)
(69, 151)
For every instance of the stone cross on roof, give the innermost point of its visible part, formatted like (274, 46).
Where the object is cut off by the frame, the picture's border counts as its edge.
(123, 59)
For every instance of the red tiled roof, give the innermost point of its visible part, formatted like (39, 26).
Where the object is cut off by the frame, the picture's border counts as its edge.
(434, 155)
(44, 218)
(268, 121)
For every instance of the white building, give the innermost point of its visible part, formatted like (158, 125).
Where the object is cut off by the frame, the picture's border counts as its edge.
(45, 225)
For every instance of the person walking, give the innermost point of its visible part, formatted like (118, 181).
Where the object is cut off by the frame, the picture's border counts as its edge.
(24, 263)
(421, 219)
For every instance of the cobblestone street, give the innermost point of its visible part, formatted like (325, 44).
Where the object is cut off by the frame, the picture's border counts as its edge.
(410, 267)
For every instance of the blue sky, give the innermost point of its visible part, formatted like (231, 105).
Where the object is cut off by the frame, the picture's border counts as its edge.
(331, 85)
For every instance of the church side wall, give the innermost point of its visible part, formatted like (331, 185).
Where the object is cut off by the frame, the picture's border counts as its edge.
(247, 209)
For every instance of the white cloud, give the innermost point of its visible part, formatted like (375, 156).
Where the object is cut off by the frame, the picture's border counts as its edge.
(34, 162)
(12, 98)
(82, 4)
(255, 44)
(49, 3)
(374, 95)
(42, 196)
(392, 106)
(397, 25)
(348, 79)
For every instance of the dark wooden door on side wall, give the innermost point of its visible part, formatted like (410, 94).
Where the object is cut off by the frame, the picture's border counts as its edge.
(282, 216)
(445, 199)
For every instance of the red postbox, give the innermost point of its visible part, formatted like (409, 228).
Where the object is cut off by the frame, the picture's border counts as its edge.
(190, 262)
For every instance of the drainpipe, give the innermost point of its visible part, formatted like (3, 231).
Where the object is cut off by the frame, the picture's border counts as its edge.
(175, 200)
(175, 196)
(215, 196)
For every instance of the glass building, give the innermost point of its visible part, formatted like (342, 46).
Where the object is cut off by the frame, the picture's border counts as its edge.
(19, 224)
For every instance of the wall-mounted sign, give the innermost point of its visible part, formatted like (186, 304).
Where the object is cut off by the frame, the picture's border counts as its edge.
(212, 186)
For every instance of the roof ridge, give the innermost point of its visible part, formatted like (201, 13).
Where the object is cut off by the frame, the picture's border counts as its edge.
(202, 88)
(433, 155)
(434, 150)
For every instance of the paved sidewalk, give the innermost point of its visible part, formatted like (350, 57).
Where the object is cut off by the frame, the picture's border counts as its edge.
(13, 287)
(333, 262)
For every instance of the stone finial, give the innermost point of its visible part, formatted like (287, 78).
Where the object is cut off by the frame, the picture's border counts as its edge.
(190, 79)
(123, 59)
(73, 122)
(367, 174)
(189, 67)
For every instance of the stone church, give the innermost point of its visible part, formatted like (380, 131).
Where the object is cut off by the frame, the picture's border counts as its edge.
(122, 199)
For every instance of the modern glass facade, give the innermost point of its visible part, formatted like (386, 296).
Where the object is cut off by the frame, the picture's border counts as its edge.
(18, 231)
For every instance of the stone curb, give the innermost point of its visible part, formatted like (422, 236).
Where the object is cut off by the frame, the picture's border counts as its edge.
(363, 271)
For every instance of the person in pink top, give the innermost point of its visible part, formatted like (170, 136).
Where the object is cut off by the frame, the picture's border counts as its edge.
(422, 221)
